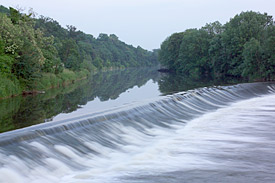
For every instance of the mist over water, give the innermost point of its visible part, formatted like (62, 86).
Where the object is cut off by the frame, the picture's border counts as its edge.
(209, 134)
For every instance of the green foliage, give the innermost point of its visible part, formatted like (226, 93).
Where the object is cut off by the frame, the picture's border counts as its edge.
(9, 86)
(239, 30)
(4, 10)
(252, 65)
(68, 76)
(169, 52)
(14, 15)
(98, 63)
(50, 80)
(193, 54)
(39, 53)
(6, 60)
(10, 34)
(242, 48)
(87, 64)
(107, 51)
(6, 64)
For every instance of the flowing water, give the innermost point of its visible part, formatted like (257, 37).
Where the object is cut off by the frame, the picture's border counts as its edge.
(208, 134)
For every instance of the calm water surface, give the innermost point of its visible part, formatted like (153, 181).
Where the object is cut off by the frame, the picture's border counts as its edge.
(103, 91)
(139, 126)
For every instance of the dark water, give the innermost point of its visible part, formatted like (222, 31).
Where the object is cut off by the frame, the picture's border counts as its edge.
(126, 129)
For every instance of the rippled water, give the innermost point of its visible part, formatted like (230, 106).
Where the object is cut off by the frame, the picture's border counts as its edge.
(214, 134)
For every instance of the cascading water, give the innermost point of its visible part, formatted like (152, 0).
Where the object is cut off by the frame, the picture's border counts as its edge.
(218, 134)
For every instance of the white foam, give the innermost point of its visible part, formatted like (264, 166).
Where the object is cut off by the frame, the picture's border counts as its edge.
(67, 151)
(8, 175)
(203, 143)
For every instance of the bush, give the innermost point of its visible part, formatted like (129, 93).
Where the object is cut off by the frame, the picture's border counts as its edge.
(48, 80)
(9, 86)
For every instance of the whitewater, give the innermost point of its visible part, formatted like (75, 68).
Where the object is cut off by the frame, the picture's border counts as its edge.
(211, 134)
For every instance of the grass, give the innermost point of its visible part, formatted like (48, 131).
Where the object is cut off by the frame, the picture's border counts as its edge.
(49, 80)
(9, 86)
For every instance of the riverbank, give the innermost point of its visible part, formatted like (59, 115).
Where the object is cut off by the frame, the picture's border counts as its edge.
(101, 87)
(11, 87)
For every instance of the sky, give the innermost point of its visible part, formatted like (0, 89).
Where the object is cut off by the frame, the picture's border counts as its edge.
(145, 23)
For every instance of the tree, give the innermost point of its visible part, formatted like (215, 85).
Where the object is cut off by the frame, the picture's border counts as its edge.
(214, 28)
(252, 65)
(52, 61)
(15, 16)
(242, 48)
(169, 51)
(240, 30)
(33, 46)
(193, 58)
(6, 60)
(103, 37)
(69, 54)
(98, 63)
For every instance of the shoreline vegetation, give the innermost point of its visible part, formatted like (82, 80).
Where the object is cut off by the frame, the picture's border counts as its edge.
(45, 82)
(243, 48)
(37, 53)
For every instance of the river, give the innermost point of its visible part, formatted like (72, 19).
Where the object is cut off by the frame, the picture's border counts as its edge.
(140, 126)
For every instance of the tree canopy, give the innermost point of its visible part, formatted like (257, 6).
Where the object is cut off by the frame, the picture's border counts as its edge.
(32, 46)
(241, 48)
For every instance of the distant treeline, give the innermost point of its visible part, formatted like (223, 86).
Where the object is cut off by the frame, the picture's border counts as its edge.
(243, 48)
(38, 52)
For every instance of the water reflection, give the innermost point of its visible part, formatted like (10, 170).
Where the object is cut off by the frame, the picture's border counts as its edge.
(173, 83)
(20, 111)
(102, 91)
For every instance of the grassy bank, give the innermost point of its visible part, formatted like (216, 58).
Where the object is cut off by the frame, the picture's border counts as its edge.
(49, 80)
(11, 86)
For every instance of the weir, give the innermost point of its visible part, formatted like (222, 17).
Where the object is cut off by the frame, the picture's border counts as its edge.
(53, 151)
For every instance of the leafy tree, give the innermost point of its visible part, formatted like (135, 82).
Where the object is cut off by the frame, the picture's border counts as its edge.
(252, 65)
(193, 56)
(170, 50)
(30, 48)
(98, 63)
(240, 30)
(69, 54)
(15, 16)
(214, 28)
(6, 60)
(4, 10)
(242, 48)
(52, 61)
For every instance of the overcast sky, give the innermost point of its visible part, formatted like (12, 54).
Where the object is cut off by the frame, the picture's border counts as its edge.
(141, 22)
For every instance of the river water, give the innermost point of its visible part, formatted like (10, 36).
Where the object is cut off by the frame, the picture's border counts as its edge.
(137, 126)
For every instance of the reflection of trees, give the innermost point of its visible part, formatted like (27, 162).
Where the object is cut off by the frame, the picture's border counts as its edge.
(8, 107)
(172, 83)
(110, 85)
(21, 112)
